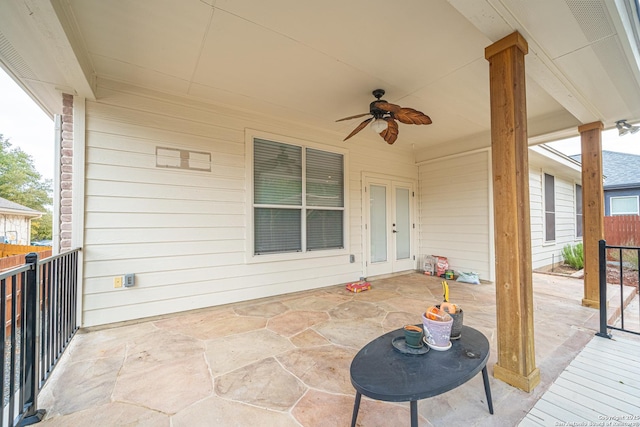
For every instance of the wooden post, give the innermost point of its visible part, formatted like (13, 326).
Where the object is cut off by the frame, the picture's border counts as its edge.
(509, 151)
(592, 208)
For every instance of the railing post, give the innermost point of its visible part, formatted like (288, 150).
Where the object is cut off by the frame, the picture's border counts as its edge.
(602, 249)
(30, 389)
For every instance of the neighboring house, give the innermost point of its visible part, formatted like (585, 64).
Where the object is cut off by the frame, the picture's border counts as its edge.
(15, 222)
(200, 150)
(621, 183)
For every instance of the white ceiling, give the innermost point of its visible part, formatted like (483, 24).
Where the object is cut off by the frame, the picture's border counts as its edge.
(315, 62)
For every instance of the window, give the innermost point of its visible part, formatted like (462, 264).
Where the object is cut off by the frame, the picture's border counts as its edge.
(549, 208)
(627, 205)
(578, 210)
(298, 198)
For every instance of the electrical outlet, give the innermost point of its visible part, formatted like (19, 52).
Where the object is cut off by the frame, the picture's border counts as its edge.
(129, 280)
(117, 282)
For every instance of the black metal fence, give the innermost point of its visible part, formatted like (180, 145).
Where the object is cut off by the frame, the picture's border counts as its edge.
(625, 258)
(38, 306)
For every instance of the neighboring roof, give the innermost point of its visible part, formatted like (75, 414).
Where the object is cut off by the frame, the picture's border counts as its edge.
(7, 206)
(555, 162)
(619, 169)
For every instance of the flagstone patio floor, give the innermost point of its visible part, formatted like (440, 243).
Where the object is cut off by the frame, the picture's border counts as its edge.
(284, 361)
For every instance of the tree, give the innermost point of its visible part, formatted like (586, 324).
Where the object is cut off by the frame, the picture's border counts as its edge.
(42, 228)
(21, 183)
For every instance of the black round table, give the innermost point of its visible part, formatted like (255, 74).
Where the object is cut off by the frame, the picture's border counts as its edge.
(380, 372)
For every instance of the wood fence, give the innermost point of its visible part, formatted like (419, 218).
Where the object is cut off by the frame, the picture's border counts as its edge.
(12, 261)
(14, 255)
(7, 249)
(622, 230)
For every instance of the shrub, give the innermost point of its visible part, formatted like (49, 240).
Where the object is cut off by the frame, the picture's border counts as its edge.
(574, 256)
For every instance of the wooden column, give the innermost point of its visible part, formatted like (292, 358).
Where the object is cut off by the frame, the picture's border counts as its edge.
(509, 151)
(592, 208)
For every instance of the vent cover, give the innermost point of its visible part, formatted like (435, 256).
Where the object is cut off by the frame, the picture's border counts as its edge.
(13, 60)
(592, 17)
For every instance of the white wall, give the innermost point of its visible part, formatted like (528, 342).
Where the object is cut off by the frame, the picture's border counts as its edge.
(454, 213)
(15, 228)
(183, 232)
(545, 253)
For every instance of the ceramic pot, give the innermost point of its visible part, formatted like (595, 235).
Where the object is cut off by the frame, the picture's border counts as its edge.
(456, 328)
(437, 332)
(413, 336)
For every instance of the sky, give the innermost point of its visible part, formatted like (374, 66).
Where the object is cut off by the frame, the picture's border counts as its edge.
(26, 125)
(629, 143)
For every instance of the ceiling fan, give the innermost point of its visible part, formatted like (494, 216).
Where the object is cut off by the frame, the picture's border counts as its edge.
(384, 116)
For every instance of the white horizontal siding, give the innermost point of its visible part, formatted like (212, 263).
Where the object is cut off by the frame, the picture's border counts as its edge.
(454, 212)
(183, 232)
(546, 253)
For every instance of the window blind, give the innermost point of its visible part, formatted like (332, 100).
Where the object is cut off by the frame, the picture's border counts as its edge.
(296, 190)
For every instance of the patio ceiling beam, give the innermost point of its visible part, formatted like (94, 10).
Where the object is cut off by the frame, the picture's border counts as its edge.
(592, 208)
(494, 18)
(60, 35)
(510, 164)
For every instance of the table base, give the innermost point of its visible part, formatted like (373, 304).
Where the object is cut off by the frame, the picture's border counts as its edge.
(414, 403)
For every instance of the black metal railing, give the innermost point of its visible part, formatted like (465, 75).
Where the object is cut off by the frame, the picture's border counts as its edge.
(619, 254)
(58, 305)
(38, 306)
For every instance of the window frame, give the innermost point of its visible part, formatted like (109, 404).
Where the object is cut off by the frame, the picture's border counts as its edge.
(544, 209)
(637, 212)
(250, 256)
(575, 207)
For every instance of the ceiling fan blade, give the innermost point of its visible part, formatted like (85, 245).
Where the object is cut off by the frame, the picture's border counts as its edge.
(410, 116)
(353, 117)
(387, 106)
(390, 134)
(359, 128)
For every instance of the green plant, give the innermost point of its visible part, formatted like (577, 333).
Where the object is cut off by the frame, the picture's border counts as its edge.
(574, 255)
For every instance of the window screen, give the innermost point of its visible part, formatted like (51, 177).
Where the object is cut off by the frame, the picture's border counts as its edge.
(549, 208)
(297, 189)
(578, 210)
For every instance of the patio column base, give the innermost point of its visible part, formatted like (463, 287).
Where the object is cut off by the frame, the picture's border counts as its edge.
(590, 303)
(517, 380)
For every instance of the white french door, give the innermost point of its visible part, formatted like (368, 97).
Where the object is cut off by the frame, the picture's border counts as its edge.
(389, 225)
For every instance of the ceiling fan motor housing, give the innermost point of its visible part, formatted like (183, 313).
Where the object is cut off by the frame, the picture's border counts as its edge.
(376, 112)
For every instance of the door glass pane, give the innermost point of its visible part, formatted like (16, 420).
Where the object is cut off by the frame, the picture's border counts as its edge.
(403, 227)
(378, 212)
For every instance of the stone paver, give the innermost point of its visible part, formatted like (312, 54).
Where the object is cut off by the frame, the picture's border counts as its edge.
(285, 360)
(229, 353)
(265, 384)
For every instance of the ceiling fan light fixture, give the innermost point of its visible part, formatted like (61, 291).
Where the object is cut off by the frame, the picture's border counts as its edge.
(379, 125)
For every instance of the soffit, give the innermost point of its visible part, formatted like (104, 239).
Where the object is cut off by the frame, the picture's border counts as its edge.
(314, 62)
